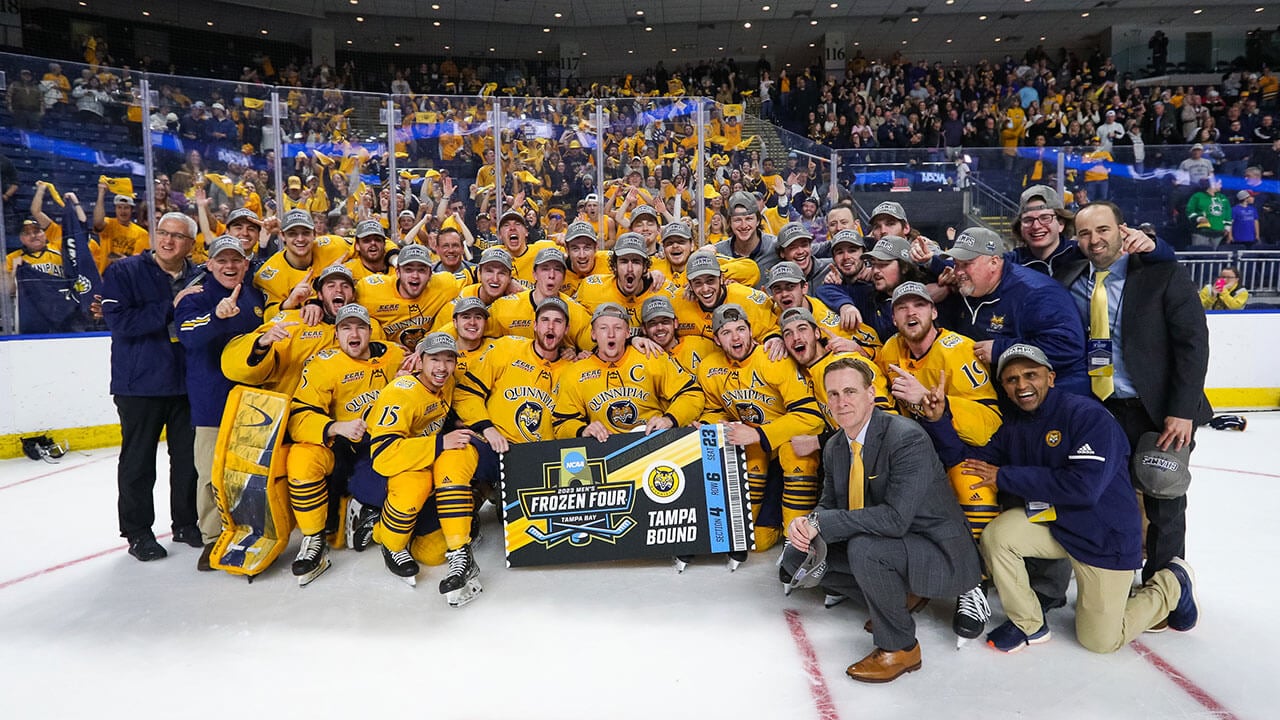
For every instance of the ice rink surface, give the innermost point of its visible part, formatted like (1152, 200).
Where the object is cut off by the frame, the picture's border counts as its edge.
(87, 631)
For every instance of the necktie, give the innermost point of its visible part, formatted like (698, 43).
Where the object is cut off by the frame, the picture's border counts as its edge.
(857, 481)
(1100, 329)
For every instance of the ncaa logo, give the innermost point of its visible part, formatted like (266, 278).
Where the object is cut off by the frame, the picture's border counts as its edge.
(574, 463)
(663, 482)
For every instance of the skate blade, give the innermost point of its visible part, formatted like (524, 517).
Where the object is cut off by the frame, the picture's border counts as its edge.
(353, 514)
(465, 594)
(305, 580)
(831, 601)
(411, 581)
(961, 642)
(733, 564)
(679, 564)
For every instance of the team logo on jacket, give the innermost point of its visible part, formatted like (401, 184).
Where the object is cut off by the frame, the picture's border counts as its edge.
(577, 503)
(529, 420)
(997, 323)
(1052, 438)
(623, 414)
(749, 413)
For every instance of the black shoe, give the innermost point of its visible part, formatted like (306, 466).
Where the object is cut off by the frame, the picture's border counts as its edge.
(146, 549)
(203, 564)
(189, 535)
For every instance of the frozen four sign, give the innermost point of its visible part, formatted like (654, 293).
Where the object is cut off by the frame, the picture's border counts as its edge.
(677, 492)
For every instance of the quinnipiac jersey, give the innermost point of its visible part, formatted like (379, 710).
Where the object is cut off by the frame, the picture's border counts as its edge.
(690, 351)
(624, 395)
(336, 387)
(692, 319)
(573, 281)
(599, 289)
(510, 388)
(522, 266)
(814, 372)
(739, 270)
(277, 278)
(773, 396)
(406, 321)
(829, 320)
(971, 397)
(279, 368)
(404, 423)
(514, 315)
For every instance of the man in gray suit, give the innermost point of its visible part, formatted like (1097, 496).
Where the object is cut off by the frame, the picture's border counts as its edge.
(889, 518)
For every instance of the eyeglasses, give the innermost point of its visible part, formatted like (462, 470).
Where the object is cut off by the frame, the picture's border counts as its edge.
(175, 235)
(1045, 219)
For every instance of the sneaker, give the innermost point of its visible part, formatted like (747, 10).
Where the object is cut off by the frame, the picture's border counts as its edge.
(972, 614)
(146, 549)
(1186, 614)
(1009, 638)
(188, 535)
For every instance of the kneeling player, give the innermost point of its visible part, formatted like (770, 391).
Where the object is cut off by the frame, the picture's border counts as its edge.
(327, 423)
(419, 460)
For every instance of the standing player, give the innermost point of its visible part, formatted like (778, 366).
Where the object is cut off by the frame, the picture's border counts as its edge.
(513, 231)
(659, 317)
(629, 282)
(677, 249)
(407, 304)
(420, 461)
(285, 278)
(789, 289)
(707, 292)
(514, 314)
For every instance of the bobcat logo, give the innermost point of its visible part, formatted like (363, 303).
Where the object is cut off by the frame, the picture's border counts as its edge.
(411, 337)
(529, 419)
(623, 414)
(749, 413)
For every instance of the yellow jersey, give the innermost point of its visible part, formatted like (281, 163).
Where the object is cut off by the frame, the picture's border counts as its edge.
(975, 413)
(691, 319)
(739, 270)
(510, 388)
(121, 240)
(522, 266)
(279, 367)
(336, 387)
(406, 320)
(773, 396)
(600, 289)
(277, 278)
(513, 315)
(406, 418)
(624, 395)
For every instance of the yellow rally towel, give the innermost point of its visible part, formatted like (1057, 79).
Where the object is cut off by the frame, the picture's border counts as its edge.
(253, 103)
(118, 186)
(249, 483)
(53, 192)
(221, 182)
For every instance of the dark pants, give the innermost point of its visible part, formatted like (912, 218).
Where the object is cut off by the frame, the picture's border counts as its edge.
(1166, 519)
(873, 569)
(141, 420)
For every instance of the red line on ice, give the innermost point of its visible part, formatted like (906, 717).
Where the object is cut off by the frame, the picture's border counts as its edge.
(55, 472)
(817, 684)
(1197, 693)
(69, 563)
(1240, 472)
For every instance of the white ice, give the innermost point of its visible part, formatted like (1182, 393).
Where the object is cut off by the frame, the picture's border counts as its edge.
(87, 631)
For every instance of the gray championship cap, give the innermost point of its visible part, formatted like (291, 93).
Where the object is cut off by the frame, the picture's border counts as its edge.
(791, 315)
(890, 208)
(495, 254)
(656, 307)
(976, 242)
(245, 215)
(552, 303)
(297, 218)
(124, 200)
(848, 237)
(352, 310)
(785, 271)
(370, 227)
(892, 247)
(643, 210)
(547, 255)
(910, 289)
(580, 229)
(437, 342)
(792, 232)
(469, 304)
(510, 213)
(1022, 350)
(1162, 474)
(340, 271)
(226, 242)
(613, 310)
(1048, 197)
(413, 253)
(743, 199)
(812, 564)
(676, 229)
(702, 263)
(631, 244)
(725, 314)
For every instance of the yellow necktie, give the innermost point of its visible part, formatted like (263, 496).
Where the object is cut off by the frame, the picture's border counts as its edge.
(857, 481)
(1100, 378)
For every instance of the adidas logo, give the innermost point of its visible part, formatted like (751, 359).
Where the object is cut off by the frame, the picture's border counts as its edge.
(975, 497)
(1085, 450)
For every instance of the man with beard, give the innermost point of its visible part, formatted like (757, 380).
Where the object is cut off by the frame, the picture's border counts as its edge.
(847, 289)
(765, 404)
(677, 248)
(585, 256)
(618, 389)
(891, 265)
(207, 320)
(286, 277)
(629, 282)
(407, 303)
(795, 244)
(659, 317)
(327, 426)
(513, 231)
(707, 291)
(514, 314)
(370, 247)
(788, 288)
(1001, 303)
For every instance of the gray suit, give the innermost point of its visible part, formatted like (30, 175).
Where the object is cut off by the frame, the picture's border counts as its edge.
(910, 535)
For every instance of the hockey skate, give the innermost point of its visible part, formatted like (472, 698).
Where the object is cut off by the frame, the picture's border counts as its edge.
(360, 521)
(312, 560)
(402, 565)
(971, 616)
(736, 558)
(462, 584)
(681, 562)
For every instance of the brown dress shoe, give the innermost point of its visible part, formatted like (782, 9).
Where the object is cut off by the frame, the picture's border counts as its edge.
(883, 666)
(915, 604)
(202, 564)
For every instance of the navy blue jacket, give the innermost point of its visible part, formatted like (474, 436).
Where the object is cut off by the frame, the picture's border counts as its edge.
(1026, 307)
(203, 335)
(1068, 251)
(1072, 453)
(137, 304)
(862, 295)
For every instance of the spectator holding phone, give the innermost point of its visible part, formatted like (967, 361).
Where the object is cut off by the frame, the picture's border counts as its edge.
(1225, 293)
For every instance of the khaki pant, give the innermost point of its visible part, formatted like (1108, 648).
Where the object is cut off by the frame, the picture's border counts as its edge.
(208, 519)
(1106, 617)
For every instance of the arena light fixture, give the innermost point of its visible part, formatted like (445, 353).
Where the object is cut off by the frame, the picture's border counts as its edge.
(1197, 11)
(648, 28)
(264, 31)
(640, 12)
(764, 47)
(349, 42)
(766, 8)
(982, 17)
(559, 15)
(435, 7)
(948, 41)
(835, 5)
(746, 25)
(1258, 10)
(915, 19)
(951, 2)
(813, 44)
(209, 23)
(1084, 14)
(359, 18)
(546, 29)
(146, 13)
(83, 3)
(396, 44)
(813, 22)
(436, 23)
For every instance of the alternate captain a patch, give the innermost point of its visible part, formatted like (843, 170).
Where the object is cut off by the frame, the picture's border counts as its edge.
(1052, 438)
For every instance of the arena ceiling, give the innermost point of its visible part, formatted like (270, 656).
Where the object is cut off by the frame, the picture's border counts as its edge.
(614, 33)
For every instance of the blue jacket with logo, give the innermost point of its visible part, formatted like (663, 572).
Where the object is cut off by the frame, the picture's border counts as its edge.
(1027, 307)
(1072, 453)
(137, 304)
(204, 335)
